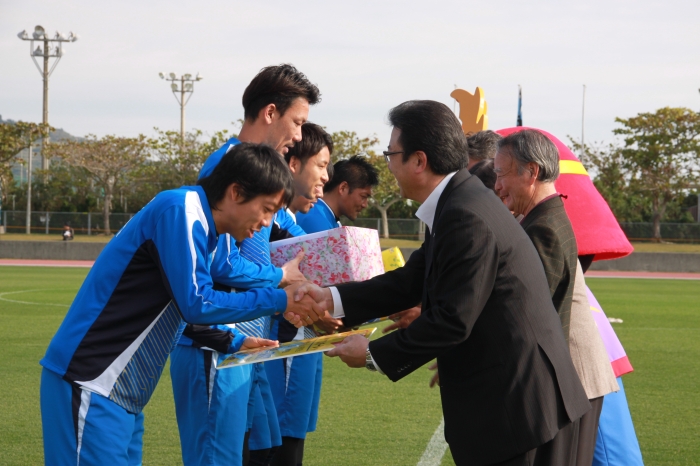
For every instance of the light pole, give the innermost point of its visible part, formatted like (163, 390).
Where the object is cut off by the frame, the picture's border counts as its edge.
(28, 219)
(583, 121)
(39, 35)
(186, 87)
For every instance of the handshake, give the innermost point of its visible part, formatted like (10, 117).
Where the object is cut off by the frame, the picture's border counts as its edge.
(308, 304)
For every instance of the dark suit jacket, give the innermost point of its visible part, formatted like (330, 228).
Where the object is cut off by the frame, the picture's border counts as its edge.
(507, 380)
(550, 230)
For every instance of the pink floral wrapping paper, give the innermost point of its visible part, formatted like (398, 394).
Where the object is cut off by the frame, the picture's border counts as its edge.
(335, 256)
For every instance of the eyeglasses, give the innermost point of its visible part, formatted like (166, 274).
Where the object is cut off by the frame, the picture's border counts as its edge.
(389, 154)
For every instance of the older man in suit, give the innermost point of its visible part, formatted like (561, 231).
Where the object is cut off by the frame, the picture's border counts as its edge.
(526, 166)
(508, 386)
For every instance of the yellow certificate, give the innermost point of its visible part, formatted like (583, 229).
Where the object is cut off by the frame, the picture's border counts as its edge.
(291, 348)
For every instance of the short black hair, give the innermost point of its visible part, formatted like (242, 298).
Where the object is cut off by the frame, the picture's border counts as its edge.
(257, 169)
(485, 172)
(433, 128)
(279, 85)
(483, 145)
(313, 139)
(356, 171)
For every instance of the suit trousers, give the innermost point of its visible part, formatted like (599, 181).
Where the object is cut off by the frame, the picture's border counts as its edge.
(562, 450)
(588, 433)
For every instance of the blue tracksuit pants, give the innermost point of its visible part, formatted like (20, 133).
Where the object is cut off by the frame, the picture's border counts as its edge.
(81, 427)
(211, 406)
(262, 415)
(296, 388)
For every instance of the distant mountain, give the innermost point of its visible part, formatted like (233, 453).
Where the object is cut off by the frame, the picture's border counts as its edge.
(57, 135)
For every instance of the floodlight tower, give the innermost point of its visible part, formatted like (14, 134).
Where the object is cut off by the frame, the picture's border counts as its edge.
(186, 87)
(40, 35)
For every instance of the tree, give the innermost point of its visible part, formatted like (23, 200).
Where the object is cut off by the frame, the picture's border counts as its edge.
(171, 164)
(177, 161)
(66, 190)
(661, 156)
(386, 193)
(606, 166)
(345, 145)
(108, 161)
(14, 138)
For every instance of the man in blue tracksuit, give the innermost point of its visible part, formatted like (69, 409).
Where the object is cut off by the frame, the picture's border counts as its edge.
(346, 194)
(211, 407)
(297, 381)
(276, 103)
(104, 362)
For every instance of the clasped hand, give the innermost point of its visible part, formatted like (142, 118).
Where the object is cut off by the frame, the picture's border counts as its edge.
(306, 304)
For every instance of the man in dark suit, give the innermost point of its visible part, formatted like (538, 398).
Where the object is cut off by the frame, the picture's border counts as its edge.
(508, 386)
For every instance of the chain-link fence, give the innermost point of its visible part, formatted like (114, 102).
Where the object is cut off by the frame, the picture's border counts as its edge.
(52, 223)
(674, 232)
(92, 223)
(400, 228)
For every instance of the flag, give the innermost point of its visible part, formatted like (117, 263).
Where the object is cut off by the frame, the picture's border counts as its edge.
(520, 107)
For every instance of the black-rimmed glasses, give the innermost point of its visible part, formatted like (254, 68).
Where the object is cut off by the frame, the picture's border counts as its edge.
(389, 154)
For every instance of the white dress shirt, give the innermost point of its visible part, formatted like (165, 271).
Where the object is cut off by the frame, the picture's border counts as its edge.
(426, 213)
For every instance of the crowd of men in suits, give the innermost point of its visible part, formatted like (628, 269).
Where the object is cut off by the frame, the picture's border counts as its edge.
(490, 294)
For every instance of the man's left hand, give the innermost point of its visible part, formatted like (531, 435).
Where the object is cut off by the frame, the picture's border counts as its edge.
(435, 380)
(403, 319)
(352, 351)
(255, 342)
(327, 324)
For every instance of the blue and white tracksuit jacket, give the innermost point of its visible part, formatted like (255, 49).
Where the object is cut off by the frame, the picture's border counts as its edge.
(154, 274)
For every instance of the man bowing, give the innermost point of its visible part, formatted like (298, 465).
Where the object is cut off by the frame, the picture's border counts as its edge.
(509, 390)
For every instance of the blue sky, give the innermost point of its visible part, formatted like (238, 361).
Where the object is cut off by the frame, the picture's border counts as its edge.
(366, 56)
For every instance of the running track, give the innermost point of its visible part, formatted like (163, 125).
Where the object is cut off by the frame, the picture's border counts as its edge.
(591, 274)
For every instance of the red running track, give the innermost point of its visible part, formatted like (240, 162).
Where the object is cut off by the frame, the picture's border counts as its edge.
(592, 273)
(657, 275)
(45, 263)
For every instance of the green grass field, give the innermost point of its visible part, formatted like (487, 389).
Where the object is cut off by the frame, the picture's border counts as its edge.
(638, 246)
(364, 418)
(385, 242)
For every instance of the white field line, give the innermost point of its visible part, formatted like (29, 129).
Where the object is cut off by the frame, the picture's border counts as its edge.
(2, 298)
(45, 265)
(432, 456)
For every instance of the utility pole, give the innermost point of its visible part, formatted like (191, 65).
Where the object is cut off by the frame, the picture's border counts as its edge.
(186, 87)
(519, 120)
(454, 104)
(28, 222)
(583, 120)
(39, 35)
